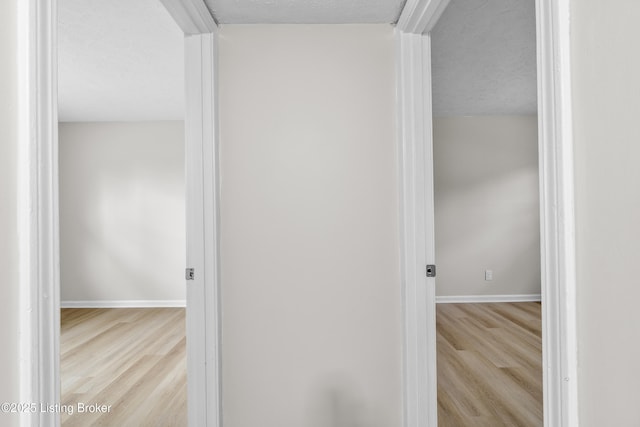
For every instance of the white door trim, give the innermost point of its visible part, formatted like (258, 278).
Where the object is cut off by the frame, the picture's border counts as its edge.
(192, 16)
(202, 199)
(556, 211)
(38, 209)
(557, 218)
(420, 16)
(417, 247)
(203, 293)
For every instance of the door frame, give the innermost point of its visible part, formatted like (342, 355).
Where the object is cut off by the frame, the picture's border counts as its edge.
(557, 220)
(39, 283)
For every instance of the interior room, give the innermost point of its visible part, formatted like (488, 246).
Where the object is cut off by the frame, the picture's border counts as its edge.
(310, 205)
(487, 222)
(122, 212)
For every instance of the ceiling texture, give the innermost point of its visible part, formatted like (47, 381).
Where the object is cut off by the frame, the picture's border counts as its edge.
(484, 58)
(119, 60)
(122, 60)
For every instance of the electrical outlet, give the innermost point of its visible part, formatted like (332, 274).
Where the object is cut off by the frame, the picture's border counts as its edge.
(488, 275)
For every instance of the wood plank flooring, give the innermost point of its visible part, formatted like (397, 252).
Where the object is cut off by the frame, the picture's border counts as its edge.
(133, 359)
(489, 364)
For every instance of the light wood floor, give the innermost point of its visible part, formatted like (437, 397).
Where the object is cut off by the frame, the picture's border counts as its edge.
(131, 359)
(489, 365)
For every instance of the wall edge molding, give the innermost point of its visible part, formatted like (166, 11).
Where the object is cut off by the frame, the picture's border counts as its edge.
(124, 304)
(457, 299)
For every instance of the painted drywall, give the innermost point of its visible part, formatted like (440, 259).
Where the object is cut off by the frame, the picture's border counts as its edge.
(486, 205)
(8, 213)
(122, 211)
(311, 326)
(606, 93)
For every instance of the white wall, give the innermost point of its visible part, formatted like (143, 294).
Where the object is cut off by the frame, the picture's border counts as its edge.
(8, 217)
(606, 85)
(310, 263)
(487, 205)
(122, 211)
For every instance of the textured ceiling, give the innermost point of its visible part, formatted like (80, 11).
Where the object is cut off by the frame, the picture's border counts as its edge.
(305, 11)
(122, 60)
(484, 58)
(119, 60)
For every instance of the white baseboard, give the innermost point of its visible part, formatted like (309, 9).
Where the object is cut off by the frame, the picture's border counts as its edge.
(487, 298)
(124, 304)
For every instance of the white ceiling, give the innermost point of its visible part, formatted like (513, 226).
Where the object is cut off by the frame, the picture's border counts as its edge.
(484, 58)
(122, 60)
(305, 11)
(119, 60)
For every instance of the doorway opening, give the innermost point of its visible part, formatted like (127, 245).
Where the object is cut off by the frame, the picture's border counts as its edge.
(121, 183)
(39, 230)
(487, 223)
(556, 211)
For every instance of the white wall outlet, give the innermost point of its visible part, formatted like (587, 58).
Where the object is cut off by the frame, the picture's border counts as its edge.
(488, 275)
